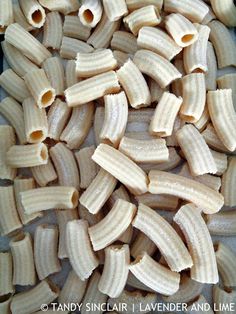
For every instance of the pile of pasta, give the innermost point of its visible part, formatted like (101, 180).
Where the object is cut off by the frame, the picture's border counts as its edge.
(139, 78)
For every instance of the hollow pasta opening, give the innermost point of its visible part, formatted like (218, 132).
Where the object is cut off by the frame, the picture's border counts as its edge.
(5, 298)
(19, 237)
(44, 153)
(36, 135)
(47, 98)
(198, 70)
(187, 38)
(74, 198)
(37, 17)
(88, 16)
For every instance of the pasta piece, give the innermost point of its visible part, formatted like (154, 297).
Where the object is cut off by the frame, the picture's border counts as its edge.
(14, 85)
(142, 243)
(112, 225)
(194, 97)
(65, 164)
(225, 11)
(52, 31)
(154, 275)
(178, 124)
(23, 260)
(211, 75)
(134, 85)
(199, 243)
(71, 46)
(118, 193)
(98, 191)
(223, 223)
(195, 55)
(157, 67)
(155, 90)
(206, 198)
(45, 250)
(70, 75)
(194, 11)
(226, 258)
(223, 298)
(7, 139)
(93, 295)
(61, 197)
(137, 4)
(168, 241)
(225, 53)
(9, 218)
(79, 250)
(90, 12)
(72, 27)
(16, 60)
(145, 16)
(133, 282)
(41, 90)
(202, 123)
(228, 183)
(228, 81)
(58, 115)
(121, 57)
(13, 112)
(34, 12)
(158, 41)
(153, 151)
(6, 285)
(196, 151)
(198, 306)
(115, 271)
(90, 64)
(17, 36)
(145, 135)
(126, 237)
(20, 18)
(176, 86)
(54, 70)
(181, 29)
(115, 9)
(63, 6)
(122, 168)
(158, 201)
(21, 185)
(224, 123)
(102, 34)
(162, 122)
(143, 115)
(6, 14)
(212, 139)
(98, 123)
(73, 289)
(86, 215)
(220, 161)
(31, 300)
(92, 88)
(44, 174)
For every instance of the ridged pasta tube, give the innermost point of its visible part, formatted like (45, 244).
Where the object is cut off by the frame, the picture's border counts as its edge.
(71, 46)
(6, 285)
(228, 81)
(52, 31)
(34, 12)
(228, 183)
(90, 12)
(142, 243)
(158, 201)
(54, 70)
(63, 6)
(7, 139)
(225, 11)
(115, 9)
(223, 223)
(223, 297)
(72, 27)
(6, 14)
(44, 174)
(211, 75)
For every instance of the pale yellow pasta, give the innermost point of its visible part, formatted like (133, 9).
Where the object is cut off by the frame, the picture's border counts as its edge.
(115, 120)
(225, 53)
(16, 60)
(158, 41)
(40, 88)
(72, 27)
(220, 161)
(209, 17)
(115, 271)
(23, 260)
(65, 165)
(98, 191)
(142, 243)
(98, 123)
(199, 243)
(7, 139)
(220, 101)
(172, 140)
(121, 57)
(158, 201)
(21, 156)
(143, 115)
(181, 29)
(70, 74)
(194, 97)
(195, 55)
(79, 250)
(196, 151)
(223, 299)
(20, 18)
(157, 67)
(228, 183)
(136, 4)
(176, 86)
(212, 139)
(71, 46)
(122, 168)
(6, 14)
(225, 11)
(73, 289)
(14, 85)
(54, 70)
(92, 219)
(20, 185)
(142, 135)
(118, 193)
(52, 30)
(31, 300)
(206, 198)
(61, 197)
(6, 284)
(211, 74)
(132, 281)
(134, 85)
(223, 223)
(13, 112)
(45, 250)
(115, 9)
(90, 12)
(202, 123)
(57, 116)
(155, 90)
(194, 11)
(17, 36)
(34, 12)
(228, 81)
(112, 225)
(44, 174)
(92, 88)
(199, 306)
(63, 6)
(102, 34)
(127, 236)
(63, 216)
(162, 122)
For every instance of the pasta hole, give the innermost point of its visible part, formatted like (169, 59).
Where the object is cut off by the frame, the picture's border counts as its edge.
(19, 237)
(88, 16)
(74, 198)
(37, 17)
(228, 290)
(198, 70)
(5, 297)
(47, 98)
(216, 247)
(44, 153)
(36, 135)
(187, 38)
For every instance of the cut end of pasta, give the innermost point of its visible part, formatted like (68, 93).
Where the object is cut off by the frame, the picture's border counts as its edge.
(37, 136)
(187, 38)
(44, 153)
(74, 198)
(19, 237)
(5, 297)
(47, 98)
(37, 16)
(88, 16)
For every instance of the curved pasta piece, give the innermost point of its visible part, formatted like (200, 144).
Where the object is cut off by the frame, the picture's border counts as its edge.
(121, 57)
(133, 282)
(34, 12)
(90, 12)
(158, 201)
(7, 139)
(6, 284)
(72, 27)
(225, 11)
(81, 255)
(212, 139)
(52, 31)
(118, 193)
(70, 75)
(211, 75)
(220, 161)
(223, 223)
(223, 297)
(6, 15)
(202, 123)
(115, 9)
(136, 4)
(112, 225)
(71, 46)
(200, 244)
(124, 41)
(54, 70)
(162, 183)
(44, 174)
(20, 18)
(142, 243)
(228, 81)
(63, 6)
(228, 183)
